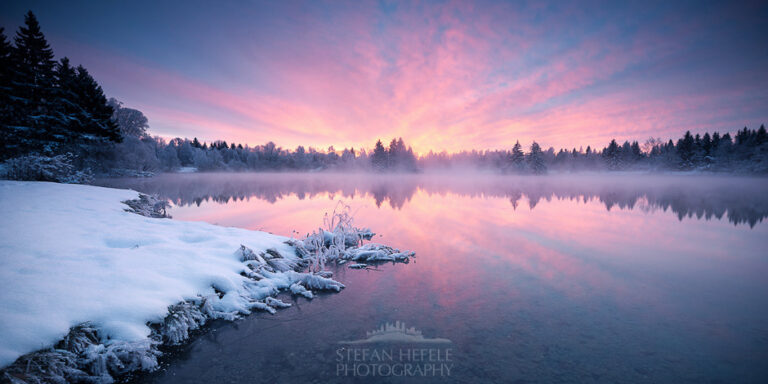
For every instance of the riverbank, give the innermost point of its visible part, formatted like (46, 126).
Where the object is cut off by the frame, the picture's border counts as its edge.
(92, 288)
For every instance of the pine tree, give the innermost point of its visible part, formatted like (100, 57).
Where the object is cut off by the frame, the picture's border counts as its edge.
(32, 91)
(69, 112)
(761, 136)
(715, 140)
(612, 155)
(685, 149)
(392, 154)
(97, 124)
(637, 154)
(706, 143)
(536, 160)
(5, 93)
(518, 158)
(379, 156)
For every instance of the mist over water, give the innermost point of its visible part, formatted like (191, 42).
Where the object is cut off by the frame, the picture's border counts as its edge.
(583, 278)
(740, 200)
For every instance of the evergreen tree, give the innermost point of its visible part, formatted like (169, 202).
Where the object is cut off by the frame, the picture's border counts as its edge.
(715, 140)
(706, 143)
(686, 150)
(69, 112)
(32, 91)
(612, 155)
(518, 157)
(379, 156)
(392, 154)
(5, 92)
(761, 136)
(637, 154)
(96, 120)
(536, 160)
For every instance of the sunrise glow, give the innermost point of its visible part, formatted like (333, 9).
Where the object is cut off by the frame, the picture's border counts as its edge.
(442, 75)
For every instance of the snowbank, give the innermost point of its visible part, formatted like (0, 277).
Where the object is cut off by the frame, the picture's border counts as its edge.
(75, 265)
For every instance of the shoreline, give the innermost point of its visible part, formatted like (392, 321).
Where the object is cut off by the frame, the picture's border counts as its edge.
(100, 350)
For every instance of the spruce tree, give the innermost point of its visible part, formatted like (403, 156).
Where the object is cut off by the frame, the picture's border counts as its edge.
(5, 89)
(685, 149)
(761, 136)
(536, 160)
(379, 156)
(706, 143)
(69, 113)
(96, 115)
(518, 157)
(612, 155)
(32, 91)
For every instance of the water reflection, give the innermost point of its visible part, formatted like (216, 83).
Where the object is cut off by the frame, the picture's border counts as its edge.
(741, 200)
(568, 279)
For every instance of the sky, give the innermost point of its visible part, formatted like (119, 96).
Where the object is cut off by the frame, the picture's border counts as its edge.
(443, 75)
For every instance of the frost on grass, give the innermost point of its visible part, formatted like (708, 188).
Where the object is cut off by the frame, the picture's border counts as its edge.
(83, 356)
(148, 206)
(340, 241)
(101, 289)
(44, 168)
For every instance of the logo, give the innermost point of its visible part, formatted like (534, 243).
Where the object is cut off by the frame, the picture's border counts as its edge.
(395, 350)
(396, 333)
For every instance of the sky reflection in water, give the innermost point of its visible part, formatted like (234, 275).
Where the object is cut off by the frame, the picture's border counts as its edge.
(580, 278)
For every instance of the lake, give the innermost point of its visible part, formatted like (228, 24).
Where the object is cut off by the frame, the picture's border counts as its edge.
(573, 278)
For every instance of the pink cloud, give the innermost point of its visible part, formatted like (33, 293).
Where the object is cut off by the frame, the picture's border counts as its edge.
(444, 78)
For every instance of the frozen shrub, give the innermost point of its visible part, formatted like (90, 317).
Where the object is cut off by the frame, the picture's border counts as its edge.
(148, 206)
(341, 241)
(58, 168)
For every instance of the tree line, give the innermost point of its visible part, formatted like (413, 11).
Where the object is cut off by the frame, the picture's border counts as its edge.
(53, 110)
(746, 152)
(48, 106)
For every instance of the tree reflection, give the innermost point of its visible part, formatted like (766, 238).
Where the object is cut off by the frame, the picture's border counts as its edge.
(739, 200)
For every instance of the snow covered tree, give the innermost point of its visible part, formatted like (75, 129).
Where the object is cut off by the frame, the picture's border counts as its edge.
(131, 122)
(31, 90)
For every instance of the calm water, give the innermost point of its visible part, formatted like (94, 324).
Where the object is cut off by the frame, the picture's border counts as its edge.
(557, 279)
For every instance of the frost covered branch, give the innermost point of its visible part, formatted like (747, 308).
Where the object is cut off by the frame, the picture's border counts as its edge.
(341, 241)
(148, 206)
(45, 168)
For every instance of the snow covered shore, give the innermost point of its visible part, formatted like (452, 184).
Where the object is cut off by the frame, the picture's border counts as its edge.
(94, 288)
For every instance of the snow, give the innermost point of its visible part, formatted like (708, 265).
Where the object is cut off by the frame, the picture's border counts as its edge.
(186, 170)
(71, 255)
